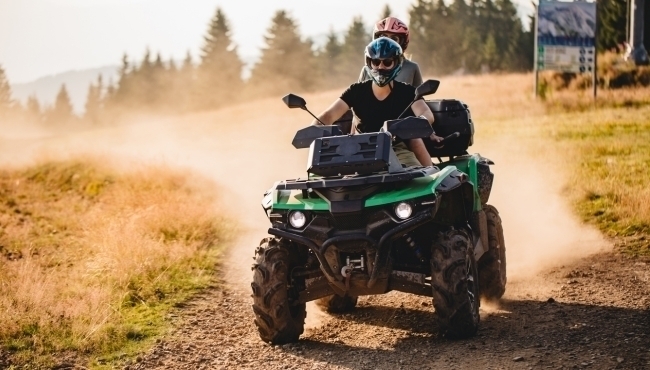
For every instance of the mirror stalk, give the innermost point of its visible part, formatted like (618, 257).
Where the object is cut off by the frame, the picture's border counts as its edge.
(321, 122)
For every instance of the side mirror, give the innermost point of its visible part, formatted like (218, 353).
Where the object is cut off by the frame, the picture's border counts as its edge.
(428, 87)
(294, 101)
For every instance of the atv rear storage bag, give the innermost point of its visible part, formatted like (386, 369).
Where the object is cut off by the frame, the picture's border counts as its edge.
(350, 154)
(450, 116)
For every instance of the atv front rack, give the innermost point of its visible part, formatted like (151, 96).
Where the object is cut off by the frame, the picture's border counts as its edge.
(354, 180)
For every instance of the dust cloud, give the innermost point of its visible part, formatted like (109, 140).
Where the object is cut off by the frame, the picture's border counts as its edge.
(247, 147)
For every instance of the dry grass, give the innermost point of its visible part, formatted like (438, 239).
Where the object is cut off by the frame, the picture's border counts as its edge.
(620, 84)
(90, 257)
(609, 152)
(602, 149)
(583, 100)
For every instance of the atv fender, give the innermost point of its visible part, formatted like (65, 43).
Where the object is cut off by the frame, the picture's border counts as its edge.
(455, 189)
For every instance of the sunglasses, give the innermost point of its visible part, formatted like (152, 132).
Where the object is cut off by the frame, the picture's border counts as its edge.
(388, 63)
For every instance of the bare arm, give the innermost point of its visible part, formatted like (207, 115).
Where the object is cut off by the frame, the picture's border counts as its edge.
(420, 108)
(331, 114)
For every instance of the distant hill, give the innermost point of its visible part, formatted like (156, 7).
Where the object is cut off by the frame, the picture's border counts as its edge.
(77, 82)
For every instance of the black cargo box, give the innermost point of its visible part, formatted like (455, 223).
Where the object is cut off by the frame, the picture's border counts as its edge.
(350, 154)
(451, 116)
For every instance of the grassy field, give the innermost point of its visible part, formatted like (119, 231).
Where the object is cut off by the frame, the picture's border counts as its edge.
(92, 259)
(609, 154)
(602, 147)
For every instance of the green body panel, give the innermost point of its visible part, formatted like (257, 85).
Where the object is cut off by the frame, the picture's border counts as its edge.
(293, 199)
(414, 189)
(468, 165)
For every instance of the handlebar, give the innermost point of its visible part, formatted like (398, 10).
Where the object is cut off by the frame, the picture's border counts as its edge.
(449, 137)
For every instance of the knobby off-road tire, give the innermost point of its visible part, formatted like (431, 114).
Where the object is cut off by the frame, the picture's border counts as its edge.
(337, 304)
(277, 317)
(454, 278)
(492, 266)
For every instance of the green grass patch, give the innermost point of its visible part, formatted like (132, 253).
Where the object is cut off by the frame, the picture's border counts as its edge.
(609, 152)
(93, 259)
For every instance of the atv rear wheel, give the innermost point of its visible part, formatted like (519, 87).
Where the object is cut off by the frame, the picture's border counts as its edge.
(492, 266)
(278, 317)
(455, 287)
(337, 304)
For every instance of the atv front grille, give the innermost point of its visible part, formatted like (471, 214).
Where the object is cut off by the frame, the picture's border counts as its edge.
(349, 222)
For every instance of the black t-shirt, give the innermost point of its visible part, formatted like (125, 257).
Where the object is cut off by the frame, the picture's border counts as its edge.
(372, 112)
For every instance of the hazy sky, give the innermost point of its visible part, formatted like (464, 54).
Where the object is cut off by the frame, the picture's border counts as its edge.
(42, 37)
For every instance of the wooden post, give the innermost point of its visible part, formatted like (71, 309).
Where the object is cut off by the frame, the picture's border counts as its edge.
(536, 53)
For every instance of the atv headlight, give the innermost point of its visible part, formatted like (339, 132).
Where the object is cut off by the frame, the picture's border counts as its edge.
(297, 219)
(403, 211)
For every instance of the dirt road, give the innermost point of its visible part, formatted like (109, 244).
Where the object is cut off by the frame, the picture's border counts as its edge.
(569, 301)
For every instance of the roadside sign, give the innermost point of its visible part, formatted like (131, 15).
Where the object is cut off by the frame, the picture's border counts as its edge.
(566, 36)
(578, 59)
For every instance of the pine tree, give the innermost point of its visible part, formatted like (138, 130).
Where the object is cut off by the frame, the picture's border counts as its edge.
(33, 109)
(329, 61)
(354, 46)
(444, 41)
(186, 82)
(612, 19)
(287, 62)
(124, 90)
(6, 103)
(219, 74)
(507, 33)
(386, 12)
(159, 88)
(144, 95)
(94, 102)
(421, 46)
(62, 112)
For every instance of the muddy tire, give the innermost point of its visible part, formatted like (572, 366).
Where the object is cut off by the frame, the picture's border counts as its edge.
(337, 304)
(492, 266)
(279, 319)
(454, 278)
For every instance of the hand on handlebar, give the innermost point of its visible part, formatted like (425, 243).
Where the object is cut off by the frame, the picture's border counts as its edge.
(435, 138)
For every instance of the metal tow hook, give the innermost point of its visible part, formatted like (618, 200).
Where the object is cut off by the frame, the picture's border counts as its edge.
(346, 271)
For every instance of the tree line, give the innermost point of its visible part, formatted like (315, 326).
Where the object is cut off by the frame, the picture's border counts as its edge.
(458, 36)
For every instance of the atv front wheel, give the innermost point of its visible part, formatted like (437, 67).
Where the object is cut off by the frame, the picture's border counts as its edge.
(455, 286)
(278, 317)
(492, 266)
(337, 304)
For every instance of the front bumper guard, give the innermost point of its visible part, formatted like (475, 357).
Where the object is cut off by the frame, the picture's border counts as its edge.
(383, 247)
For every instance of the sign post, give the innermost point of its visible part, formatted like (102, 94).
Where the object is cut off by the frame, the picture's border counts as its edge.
(565, 38)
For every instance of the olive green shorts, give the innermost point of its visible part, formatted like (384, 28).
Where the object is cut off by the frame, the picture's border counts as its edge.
(405, 156)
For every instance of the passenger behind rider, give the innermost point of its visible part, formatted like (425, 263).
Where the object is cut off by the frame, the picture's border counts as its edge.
(398, 31)
(383, 98)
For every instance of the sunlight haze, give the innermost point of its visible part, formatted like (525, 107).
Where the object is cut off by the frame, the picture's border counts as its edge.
(43, 37)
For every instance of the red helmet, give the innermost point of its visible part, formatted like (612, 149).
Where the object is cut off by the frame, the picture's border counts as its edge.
(393, 26)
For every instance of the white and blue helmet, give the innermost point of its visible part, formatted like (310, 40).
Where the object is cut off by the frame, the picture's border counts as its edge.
(383, 51)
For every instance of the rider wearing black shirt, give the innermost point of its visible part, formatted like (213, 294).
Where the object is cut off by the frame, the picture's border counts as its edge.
(381, 99)
(371, 111)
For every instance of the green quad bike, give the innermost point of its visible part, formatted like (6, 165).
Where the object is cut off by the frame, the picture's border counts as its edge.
(361, 224)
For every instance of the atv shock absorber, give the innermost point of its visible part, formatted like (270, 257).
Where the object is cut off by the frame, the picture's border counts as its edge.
(416, 249)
